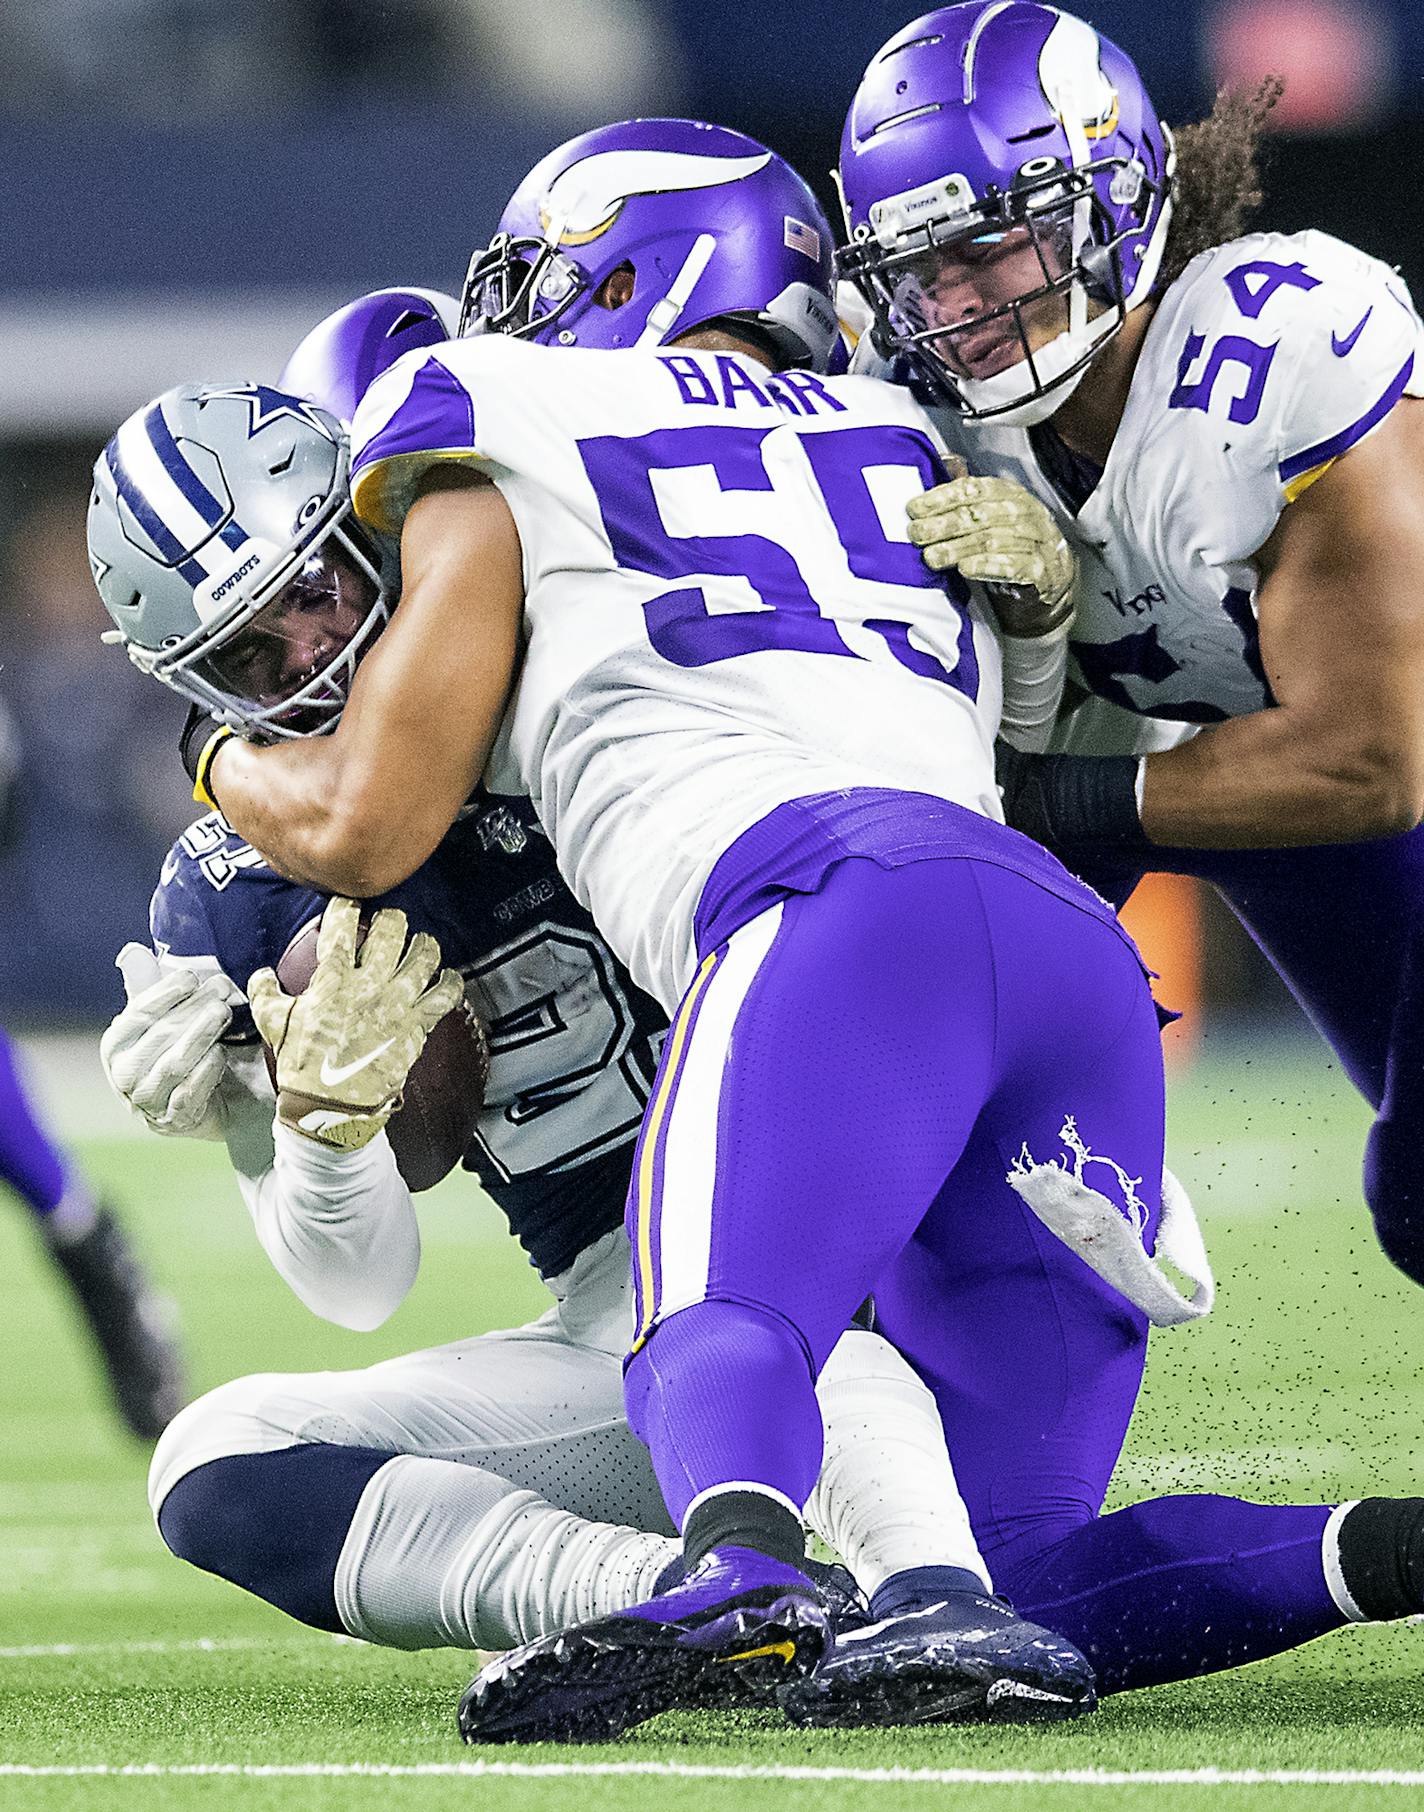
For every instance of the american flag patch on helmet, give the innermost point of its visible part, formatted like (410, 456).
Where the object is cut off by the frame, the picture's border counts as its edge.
(803, 238)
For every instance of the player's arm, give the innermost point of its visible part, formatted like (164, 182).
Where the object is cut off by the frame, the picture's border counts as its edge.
(1341, 610)
(358, 811)
(995, 532)
(339, 1227)
(333, 1215)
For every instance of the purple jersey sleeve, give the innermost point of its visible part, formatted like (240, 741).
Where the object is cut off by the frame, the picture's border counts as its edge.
(415, 415)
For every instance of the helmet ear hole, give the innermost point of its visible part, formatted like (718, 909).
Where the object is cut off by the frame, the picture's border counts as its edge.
(616, 289)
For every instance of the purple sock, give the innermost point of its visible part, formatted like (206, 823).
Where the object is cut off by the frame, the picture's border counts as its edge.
(29, 1160)
(1179, 1586)
(722, 1394)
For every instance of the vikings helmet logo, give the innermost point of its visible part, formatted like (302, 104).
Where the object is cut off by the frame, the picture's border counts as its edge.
(583, 201)
(1071, 75)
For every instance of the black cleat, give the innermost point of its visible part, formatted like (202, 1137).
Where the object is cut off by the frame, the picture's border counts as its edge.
(724, 1636)
(845, 1602)
(968, 1659)
(131, 1322)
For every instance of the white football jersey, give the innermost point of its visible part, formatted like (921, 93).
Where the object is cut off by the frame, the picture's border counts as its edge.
(1268, 358)
(723, 609)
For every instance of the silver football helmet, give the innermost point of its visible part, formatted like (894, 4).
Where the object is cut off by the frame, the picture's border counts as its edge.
(222, 543)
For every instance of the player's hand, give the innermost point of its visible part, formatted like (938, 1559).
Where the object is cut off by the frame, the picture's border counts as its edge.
(161, 1053)
(345, 1045)
(994, 531)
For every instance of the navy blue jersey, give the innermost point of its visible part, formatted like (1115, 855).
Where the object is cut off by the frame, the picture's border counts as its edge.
(574, 1045)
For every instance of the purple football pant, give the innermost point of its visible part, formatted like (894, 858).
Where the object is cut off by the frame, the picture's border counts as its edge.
(29, 1160)
(855, 1069)
(902, 1031)
(1035, 1364)
(1342, 925)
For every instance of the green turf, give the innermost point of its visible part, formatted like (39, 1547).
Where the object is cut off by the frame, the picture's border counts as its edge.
(1307, 1383)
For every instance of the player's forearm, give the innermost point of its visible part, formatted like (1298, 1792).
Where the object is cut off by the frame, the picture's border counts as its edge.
(246, 1101)
(1035, 668)
(339, 1227)
(293, 802)
(1276, 780)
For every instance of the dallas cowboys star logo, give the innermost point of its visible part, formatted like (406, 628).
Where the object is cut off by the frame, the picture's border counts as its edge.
(266, 405)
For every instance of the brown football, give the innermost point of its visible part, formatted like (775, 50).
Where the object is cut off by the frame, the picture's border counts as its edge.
(431, 1129)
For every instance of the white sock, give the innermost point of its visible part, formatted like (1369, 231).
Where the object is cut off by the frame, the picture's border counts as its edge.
(1330, 1559)
(887, 1498)
(441, 1555)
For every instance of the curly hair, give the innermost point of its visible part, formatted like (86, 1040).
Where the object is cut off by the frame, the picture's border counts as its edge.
(1218, 181)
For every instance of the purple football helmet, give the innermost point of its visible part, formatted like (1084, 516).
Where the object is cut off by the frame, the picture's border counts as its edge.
(344, 354)
(1007, 189)
(702, 224)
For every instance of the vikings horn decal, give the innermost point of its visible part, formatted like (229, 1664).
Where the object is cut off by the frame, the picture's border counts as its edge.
(584, 200)
(1072, 77)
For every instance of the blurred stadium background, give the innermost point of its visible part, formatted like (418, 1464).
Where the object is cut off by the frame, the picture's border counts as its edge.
(189, 184)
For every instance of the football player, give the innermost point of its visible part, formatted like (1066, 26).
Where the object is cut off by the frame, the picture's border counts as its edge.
(1227, 430)
(130, 1322)
(760, 742)
(490, 1490)
(1234, 1581)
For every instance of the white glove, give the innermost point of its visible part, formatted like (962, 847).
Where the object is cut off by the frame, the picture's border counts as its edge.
(994, 531)
(161, 1053)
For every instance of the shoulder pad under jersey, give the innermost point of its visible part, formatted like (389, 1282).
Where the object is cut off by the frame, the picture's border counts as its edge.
(1298, 344)
(422, 413)
(218, 902)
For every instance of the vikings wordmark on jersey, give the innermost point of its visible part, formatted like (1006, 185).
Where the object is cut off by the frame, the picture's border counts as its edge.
(1265, 361)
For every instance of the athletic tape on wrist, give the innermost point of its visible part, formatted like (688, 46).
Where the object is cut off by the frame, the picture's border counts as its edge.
(202, 792)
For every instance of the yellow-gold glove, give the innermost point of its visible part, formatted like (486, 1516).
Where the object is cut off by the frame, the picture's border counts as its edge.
(345, 1045)
(994, 531)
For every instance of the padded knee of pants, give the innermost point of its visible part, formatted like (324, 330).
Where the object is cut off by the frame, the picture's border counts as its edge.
(230, 1419)
(272, 1523)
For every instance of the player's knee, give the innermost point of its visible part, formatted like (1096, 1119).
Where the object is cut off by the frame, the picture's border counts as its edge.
(231, 1419)
(1041, 1561)
(1394, 1191)
(748, 1337)
(273, 1523)
(739, 1343)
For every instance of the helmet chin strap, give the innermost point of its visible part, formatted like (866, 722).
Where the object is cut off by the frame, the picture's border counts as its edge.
(663, 315)
(1031, 390)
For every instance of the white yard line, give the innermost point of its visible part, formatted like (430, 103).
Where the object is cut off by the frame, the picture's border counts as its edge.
(931, 1777)
(196, 1645)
